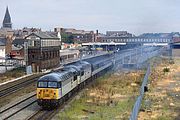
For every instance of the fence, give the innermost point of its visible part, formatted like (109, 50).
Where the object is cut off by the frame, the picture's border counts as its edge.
(137, 104)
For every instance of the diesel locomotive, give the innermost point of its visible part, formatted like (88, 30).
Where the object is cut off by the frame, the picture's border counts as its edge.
(57, 86)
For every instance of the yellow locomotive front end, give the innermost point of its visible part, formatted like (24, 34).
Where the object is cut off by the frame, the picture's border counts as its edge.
(48, 94)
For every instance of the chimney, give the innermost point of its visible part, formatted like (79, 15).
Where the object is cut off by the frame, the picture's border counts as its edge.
(97, 32)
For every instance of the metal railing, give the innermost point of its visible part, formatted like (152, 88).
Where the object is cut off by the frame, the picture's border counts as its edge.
(138, 102)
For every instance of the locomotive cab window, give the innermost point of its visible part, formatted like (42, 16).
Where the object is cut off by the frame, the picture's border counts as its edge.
(42, 84)
(52, 85)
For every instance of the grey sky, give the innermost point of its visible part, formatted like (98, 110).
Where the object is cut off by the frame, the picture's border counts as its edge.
(136, 16)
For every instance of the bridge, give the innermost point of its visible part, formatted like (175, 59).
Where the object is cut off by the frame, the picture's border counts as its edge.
(109, 43)
(135, 40)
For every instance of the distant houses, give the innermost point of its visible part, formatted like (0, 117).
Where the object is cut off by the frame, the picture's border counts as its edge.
(41, 49)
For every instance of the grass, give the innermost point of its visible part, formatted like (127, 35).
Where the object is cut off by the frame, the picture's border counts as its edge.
(109, 97)
(80, 109)
(164, 118)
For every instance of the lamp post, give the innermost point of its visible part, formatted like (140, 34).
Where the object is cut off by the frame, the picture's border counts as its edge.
(80, 52)
(59, 36)
(6, 57)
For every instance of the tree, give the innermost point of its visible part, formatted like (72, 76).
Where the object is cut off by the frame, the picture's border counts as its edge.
(66, 38)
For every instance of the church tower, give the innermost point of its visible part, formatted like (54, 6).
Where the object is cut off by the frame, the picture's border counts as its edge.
(7, 20)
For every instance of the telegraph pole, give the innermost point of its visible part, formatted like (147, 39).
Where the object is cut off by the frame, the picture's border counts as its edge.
(26, 55)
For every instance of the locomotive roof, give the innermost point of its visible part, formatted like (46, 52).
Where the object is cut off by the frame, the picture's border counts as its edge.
(71, 69)
(78, 68)
(57, 76)
(83, 64)
(79, 65)
(64, 74)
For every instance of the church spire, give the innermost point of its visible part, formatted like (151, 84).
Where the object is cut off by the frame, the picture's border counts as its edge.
(7, 20)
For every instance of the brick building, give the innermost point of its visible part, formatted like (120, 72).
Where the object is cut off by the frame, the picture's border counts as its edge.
(77, 36)
(43, 50)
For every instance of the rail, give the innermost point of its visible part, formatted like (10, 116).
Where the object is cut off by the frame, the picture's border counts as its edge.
(19, 106)
(138, 102)
(15, 86)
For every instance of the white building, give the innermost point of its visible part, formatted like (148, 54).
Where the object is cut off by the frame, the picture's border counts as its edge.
(2, 50)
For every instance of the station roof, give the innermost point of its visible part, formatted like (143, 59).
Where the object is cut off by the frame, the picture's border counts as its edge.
(98, 43)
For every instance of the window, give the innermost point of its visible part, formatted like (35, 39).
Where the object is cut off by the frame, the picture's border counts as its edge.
(33, 56)
(31, 42)
(75, 77)
(82, 73)
(52, 84)
(42, 84)
(36, 43)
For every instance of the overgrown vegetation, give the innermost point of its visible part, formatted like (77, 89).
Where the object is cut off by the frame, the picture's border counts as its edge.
(110, 97)
(162, 101)
(15, 73)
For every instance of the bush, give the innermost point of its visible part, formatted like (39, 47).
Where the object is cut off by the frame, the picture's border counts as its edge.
(166, 70)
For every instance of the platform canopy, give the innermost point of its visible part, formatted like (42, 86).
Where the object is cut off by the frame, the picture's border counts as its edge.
(155, 44)
(98, 43)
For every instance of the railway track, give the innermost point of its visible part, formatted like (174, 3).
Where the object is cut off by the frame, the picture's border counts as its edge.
(48, 114)
(16, 108)
(19, 86)
(42, 115)
(16, 87)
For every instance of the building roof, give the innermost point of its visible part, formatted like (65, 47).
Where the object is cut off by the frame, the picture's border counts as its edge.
(22, 33)
(44, 35)
(2, 42)
(18, 41)
(17, 47)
